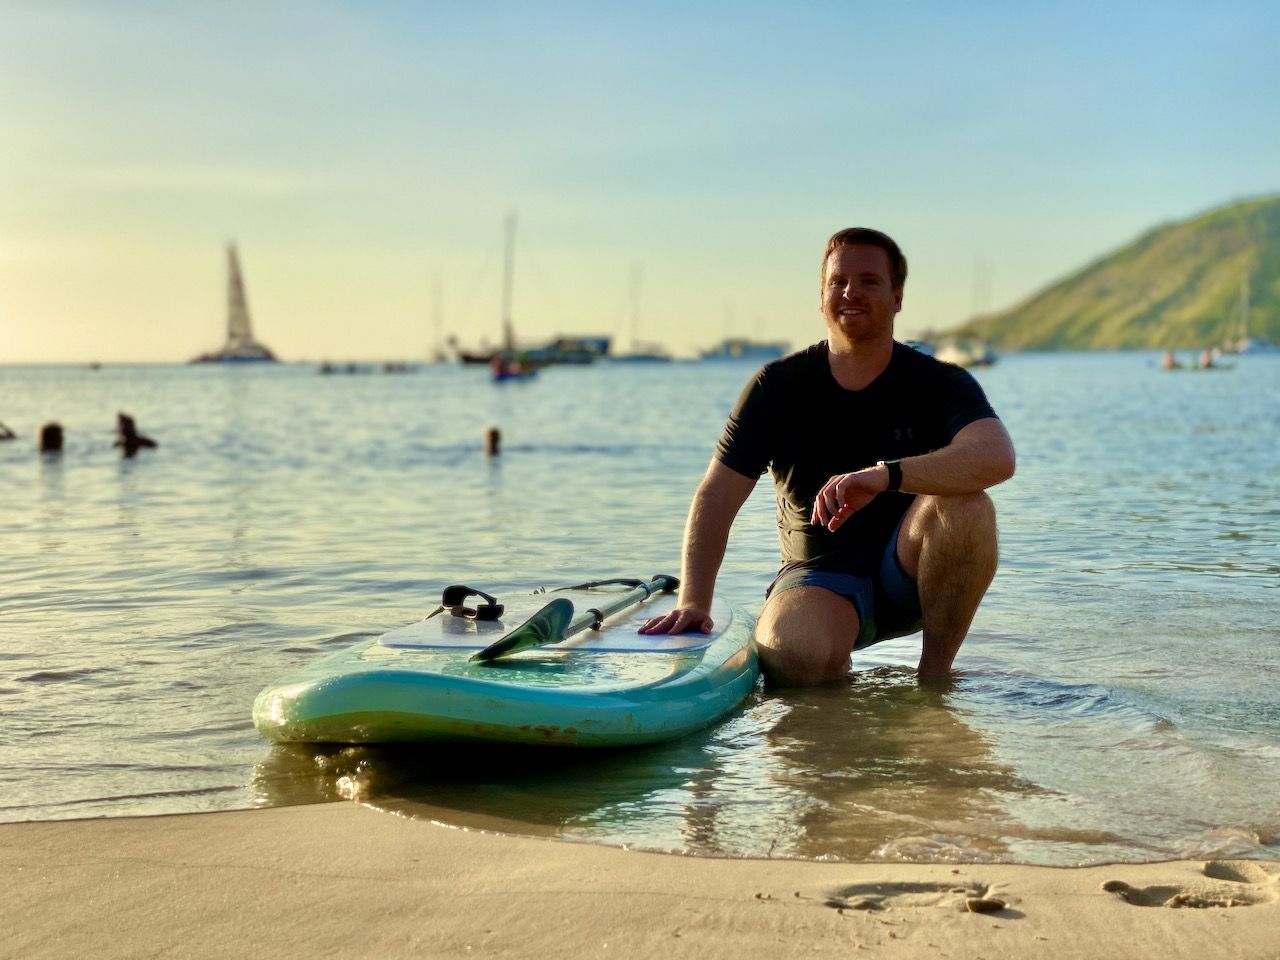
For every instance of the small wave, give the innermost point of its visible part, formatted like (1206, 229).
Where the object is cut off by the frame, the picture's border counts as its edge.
(1046, 699)
(1232, 843)
(63, 676)
(78, 805)
(932, 850)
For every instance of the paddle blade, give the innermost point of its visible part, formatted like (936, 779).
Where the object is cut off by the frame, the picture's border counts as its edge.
(545, 626)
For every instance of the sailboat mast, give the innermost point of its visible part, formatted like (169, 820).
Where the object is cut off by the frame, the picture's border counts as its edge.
(508, 276)
(635, 307)
(1244, 309)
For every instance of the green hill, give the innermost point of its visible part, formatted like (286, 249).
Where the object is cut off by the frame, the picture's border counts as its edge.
(1177, 286)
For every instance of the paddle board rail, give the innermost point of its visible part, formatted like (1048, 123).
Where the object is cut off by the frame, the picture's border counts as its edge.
(601, 687)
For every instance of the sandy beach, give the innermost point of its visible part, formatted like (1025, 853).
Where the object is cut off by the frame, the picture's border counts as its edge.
(346, 881)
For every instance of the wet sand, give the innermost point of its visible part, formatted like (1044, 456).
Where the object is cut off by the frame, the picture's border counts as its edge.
(346, 881)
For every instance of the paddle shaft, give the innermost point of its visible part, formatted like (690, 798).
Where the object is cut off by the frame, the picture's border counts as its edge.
(597, 614)
(549, 625)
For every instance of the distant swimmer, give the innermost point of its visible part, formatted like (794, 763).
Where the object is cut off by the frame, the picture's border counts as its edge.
(1169, 361)
(127, 436)
(51, 438)
(6, 433)
(492, 441)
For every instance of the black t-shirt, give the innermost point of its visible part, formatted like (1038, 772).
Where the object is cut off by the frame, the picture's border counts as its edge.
(796, 421)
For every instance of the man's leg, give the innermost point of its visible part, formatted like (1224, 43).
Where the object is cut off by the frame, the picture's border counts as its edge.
(805, 636)
(948, 546)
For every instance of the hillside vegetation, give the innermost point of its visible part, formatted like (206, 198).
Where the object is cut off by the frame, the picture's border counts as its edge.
(1177, 286)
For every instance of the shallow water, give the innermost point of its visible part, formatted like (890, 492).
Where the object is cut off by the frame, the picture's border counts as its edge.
(1116, 698)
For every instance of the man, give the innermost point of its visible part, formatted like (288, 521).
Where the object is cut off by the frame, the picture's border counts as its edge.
(880, 456)
(128, 438)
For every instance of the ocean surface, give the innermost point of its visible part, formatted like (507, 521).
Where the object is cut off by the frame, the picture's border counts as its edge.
(1117, 697)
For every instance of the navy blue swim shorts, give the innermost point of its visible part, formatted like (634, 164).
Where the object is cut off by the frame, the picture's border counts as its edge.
(888, 603)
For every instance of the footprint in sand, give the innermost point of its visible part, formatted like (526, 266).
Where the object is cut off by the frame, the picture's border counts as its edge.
(976, 898)
(1227, 883)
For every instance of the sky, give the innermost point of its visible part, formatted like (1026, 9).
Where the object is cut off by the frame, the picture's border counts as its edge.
(675, 168)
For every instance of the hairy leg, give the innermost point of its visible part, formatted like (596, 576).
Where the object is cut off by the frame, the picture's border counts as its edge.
(805, 636)
(948, 545)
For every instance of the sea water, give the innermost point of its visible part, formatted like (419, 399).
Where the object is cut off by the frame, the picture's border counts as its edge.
(1116, 698)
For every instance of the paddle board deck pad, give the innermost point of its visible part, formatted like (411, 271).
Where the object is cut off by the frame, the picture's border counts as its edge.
(602, 687)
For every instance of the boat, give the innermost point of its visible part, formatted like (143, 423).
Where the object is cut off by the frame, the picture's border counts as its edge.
(965, 353)
(640, 351)
(921, 346)
(569, 350)
(643, 353)
(561, 350)
(1256, 345)
(485, 355)
(1243, 342)
(740, 348)
(240, 347)
(564, 667)
(504, 368)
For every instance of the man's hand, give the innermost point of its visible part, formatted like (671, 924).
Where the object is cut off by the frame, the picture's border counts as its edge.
(680, 620)
(846, 493)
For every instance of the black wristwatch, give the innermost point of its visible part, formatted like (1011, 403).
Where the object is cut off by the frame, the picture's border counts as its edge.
(895, 474)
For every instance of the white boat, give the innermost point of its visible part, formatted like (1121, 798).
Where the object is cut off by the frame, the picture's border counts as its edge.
(965, 353)
(1243, 342)
(640, 351)
(740, 348)
(1256, 345)
(240, 346)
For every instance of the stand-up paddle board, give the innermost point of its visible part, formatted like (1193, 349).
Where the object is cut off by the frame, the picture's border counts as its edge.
(561, 667)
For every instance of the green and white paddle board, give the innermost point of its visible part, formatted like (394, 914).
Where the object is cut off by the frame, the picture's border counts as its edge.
(600, 686)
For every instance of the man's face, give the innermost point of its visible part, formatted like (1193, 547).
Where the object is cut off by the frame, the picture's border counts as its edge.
(859, 300)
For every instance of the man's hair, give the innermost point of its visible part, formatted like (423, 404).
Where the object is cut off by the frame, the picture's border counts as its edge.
(865, 236)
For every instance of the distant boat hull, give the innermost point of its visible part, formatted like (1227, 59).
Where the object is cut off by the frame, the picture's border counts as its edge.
(965, 353)
(1256, 345)
(640, 358)
(740, 349)
(222, 357)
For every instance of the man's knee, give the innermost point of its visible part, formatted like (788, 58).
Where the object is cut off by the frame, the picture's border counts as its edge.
(964, 521)
(969, 509)
(805, 636)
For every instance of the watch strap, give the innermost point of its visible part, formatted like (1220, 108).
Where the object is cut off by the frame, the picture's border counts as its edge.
(895, 474)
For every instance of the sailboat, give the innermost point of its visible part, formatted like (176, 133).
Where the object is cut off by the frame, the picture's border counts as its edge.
(640, 352)
(972, 351)
(240, 346)
(1245, 343)
(485, 355)
(561, 350)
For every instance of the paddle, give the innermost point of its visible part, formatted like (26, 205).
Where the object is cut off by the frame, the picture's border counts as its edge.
(557, 620)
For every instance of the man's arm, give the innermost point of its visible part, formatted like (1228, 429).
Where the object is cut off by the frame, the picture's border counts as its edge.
(716, 503)
(979, 456)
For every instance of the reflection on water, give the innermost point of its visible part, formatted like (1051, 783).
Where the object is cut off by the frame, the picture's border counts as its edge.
(826, 773)
(876, 768)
